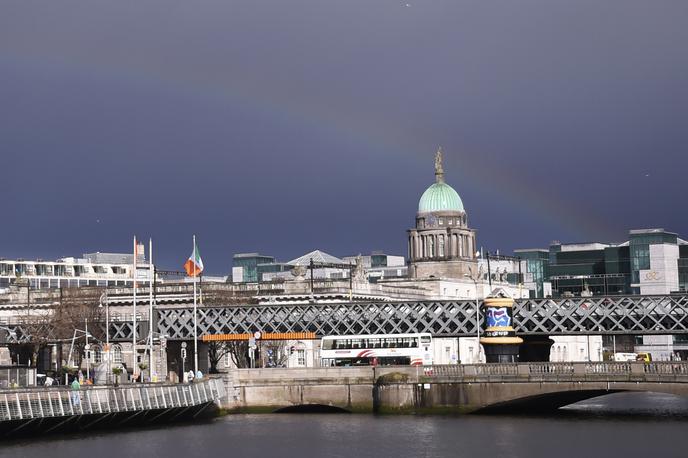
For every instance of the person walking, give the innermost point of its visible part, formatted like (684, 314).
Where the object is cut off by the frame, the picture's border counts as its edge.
(76, 386)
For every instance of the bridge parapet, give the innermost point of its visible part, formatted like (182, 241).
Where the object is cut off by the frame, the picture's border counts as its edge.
(550, 371)
(541, 371)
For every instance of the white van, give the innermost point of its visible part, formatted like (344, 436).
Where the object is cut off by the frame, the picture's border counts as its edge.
(624, 357)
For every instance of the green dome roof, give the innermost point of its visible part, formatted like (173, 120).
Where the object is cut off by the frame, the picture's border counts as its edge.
(440, 197)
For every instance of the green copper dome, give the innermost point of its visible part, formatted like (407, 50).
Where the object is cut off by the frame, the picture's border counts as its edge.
(440, 197)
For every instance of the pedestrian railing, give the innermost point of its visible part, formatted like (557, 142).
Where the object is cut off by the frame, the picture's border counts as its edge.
(23, 404)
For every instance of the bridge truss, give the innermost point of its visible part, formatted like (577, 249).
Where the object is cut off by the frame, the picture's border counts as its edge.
(562, 316)
(602, 315)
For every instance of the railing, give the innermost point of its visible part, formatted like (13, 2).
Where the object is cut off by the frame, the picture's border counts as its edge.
(23, 404)
(666, 368)
(639, 371)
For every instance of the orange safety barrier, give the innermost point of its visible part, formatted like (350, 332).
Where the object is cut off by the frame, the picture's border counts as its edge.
(264, 336)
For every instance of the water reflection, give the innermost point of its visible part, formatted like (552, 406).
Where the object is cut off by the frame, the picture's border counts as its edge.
(573, 433)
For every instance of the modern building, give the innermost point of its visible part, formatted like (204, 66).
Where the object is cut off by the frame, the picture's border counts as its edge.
(245, 266)
(651, 261)
(380, 266)
(92, 269)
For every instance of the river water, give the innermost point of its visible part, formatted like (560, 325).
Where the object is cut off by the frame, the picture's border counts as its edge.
(622, 425)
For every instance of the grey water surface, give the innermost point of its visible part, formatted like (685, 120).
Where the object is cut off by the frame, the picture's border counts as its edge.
(621, 425)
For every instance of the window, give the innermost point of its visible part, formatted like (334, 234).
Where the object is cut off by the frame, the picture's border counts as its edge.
(301, 357)
(116, 354)
(96, 354)
(441, 246)
(440, 221)
(228, 359)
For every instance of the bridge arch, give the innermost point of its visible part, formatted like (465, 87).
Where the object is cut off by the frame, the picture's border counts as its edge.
(544, 403)
(553, 399)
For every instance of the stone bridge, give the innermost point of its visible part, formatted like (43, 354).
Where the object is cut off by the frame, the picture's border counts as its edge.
(524, 387)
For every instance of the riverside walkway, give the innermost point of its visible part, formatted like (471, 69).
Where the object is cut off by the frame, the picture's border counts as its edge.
(49, 409)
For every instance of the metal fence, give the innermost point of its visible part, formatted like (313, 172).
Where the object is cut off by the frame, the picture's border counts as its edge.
(21, 376)
(21, 404)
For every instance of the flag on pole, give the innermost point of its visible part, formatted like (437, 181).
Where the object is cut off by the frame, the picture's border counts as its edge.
(194, 265)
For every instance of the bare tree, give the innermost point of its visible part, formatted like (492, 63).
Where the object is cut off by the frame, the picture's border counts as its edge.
(78, 309)
(217, 351)
(238, 351)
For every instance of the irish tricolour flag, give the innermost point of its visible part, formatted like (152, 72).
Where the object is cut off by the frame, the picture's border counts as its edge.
(194, 265)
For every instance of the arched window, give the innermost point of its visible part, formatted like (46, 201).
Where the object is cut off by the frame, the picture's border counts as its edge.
(432, 247)
(96, 354)
(441, 246)
(116, 354)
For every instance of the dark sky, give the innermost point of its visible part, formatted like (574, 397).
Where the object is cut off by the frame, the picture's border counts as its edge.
(283, 126)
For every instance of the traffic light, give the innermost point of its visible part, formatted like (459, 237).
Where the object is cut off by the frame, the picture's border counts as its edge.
(291, 350)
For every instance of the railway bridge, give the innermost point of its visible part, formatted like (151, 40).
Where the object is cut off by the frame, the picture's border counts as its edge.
(173, 317)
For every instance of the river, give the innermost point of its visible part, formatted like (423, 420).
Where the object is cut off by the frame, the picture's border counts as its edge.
(622, 425)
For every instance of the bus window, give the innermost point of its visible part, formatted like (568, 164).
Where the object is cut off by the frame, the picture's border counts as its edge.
(327, 344)
(425, 339)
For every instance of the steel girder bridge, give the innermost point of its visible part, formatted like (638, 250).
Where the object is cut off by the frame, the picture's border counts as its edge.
(569, 316)
(562, 316)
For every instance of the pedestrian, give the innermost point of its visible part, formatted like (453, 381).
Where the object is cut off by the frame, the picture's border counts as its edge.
(76, 386)
(190, 376)
(48, 381)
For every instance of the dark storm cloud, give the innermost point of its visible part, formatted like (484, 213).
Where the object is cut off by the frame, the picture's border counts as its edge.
(283, 126)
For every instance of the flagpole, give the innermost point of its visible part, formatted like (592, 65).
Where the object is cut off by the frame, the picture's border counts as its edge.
(150, 309)
(133, 333)
(195, 317)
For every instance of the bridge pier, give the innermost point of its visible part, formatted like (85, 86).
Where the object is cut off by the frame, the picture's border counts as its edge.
(535, 349)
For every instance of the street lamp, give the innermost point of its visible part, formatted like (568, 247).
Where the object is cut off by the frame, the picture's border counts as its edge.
(71, 348)
(103, 298)
(475, 276)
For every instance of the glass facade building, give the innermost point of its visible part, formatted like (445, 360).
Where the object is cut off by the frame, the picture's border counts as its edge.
(245, 266)
(632, 267)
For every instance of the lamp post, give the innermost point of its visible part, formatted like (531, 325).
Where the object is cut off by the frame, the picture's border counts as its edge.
(71, 348)
(104, 298)
(475, 276)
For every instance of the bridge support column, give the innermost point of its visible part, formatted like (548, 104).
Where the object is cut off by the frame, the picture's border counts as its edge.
(500, 342)
(535, 349)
